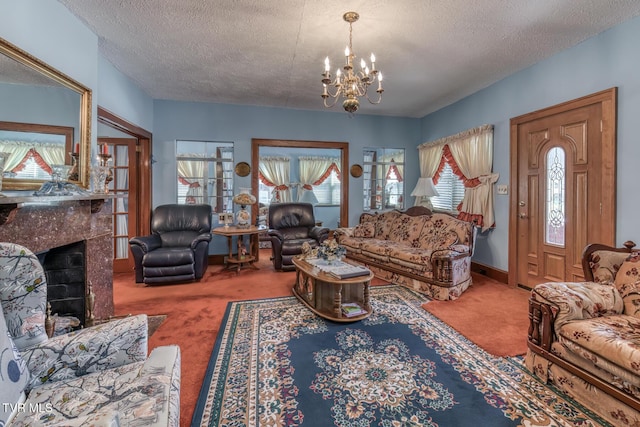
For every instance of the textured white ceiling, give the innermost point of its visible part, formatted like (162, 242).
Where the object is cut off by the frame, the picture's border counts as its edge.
(257, 52)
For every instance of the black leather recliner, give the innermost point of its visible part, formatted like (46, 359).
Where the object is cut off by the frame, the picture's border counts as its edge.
(290, 225)
(178, 248)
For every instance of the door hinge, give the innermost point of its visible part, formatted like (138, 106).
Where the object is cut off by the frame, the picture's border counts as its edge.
(600, 208)
(600, 126)
(138, 148)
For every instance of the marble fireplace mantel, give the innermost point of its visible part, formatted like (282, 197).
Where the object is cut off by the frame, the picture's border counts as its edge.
(41, 223)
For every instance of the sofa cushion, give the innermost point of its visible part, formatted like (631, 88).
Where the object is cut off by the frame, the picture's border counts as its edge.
(377, 249)
(605, 264)
(436, 236)
(384, 224)
(578, 300)
(406, 230)
(627, 282)
(14, 375)
(416, 258)
(611, 338)
(365, 229)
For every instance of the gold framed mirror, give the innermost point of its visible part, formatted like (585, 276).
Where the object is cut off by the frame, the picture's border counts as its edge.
(40, 95)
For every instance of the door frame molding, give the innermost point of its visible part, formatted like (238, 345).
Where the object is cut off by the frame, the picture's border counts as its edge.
(608, 100)
(143, 196)
(256, 143)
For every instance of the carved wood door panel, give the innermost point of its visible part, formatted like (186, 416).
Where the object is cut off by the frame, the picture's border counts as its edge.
(557, 203)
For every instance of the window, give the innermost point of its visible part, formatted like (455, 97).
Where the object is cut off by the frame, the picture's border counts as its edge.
(31, 170)
(328, 193)
(383, 183)
(555, 191)
(205, 173)
(450, 189)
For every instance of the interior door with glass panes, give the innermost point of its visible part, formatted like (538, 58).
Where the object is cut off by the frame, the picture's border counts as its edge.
(123, 186)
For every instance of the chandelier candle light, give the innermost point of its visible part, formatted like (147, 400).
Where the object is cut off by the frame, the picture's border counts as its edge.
(352, 84)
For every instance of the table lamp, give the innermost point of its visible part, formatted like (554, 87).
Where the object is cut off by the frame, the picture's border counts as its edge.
(423, 192)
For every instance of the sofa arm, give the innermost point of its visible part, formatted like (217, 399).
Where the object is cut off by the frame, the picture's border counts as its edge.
(343, 232)
(320, 234)
(93, 349)
(449, 266)
(147, 243)
(276, 233)
(569, 301)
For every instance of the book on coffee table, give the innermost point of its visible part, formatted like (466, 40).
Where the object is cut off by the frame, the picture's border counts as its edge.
(348, 271)
(352, 309)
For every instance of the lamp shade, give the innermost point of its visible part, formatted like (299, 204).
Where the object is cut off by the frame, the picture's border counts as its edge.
(425, 188)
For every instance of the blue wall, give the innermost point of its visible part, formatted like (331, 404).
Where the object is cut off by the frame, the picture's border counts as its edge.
(604, 61)
(214, 122)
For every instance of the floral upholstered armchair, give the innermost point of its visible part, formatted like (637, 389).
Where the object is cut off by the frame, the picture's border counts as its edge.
(583, 336)
(96, 376)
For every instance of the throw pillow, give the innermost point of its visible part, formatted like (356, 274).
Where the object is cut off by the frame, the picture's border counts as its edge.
(366, 229)
(628, 284)
(14, 375)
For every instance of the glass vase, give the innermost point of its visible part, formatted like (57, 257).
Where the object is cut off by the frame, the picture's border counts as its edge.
(99, 174)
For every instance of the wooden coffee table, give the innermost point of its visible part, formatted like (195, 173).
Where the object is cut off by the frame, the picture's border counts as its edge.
(324, 294)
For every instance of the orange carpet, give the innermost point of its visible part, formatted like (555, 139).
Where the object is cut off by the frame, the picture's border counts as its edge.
(491, 314)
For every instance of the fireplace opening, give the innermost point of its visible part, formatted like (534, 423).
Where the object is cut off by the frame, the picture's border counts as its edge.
(65, 271)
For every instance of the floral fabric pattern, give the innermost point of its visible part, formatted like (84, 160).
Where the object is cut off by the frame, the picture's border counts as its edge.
(384, 224)
(613, 338)
(14, 375)
(366, 229)
(406, 230)
(605, 265)
(578, 300)
(627, 282)
(23, 292)
(94, 349)
(137, 392)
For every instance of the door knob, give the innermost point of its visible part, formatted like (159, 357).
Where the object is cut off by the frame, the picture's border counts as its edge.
(521, 203)
(523, 215)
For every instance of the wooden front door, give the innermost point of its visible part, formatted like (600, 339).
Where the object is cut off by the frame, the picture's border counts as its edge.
(563, 161)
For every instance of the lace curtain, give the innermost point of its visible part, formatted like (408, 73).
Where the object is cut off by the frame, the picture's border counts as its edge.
(274, 172)
(470, 155)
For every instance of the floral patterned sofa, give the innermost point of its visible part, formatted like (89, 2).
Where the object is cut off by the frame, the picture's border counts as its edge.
(424, 251)
(99, 375)
(584, 336)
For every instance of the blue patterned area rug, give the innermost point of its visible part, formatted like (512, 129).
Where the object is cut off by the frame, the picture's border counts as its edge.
(277, 364)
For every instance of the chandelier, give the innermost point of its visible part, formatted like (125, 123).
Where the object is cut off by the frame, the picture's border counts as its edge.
(351, 84)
